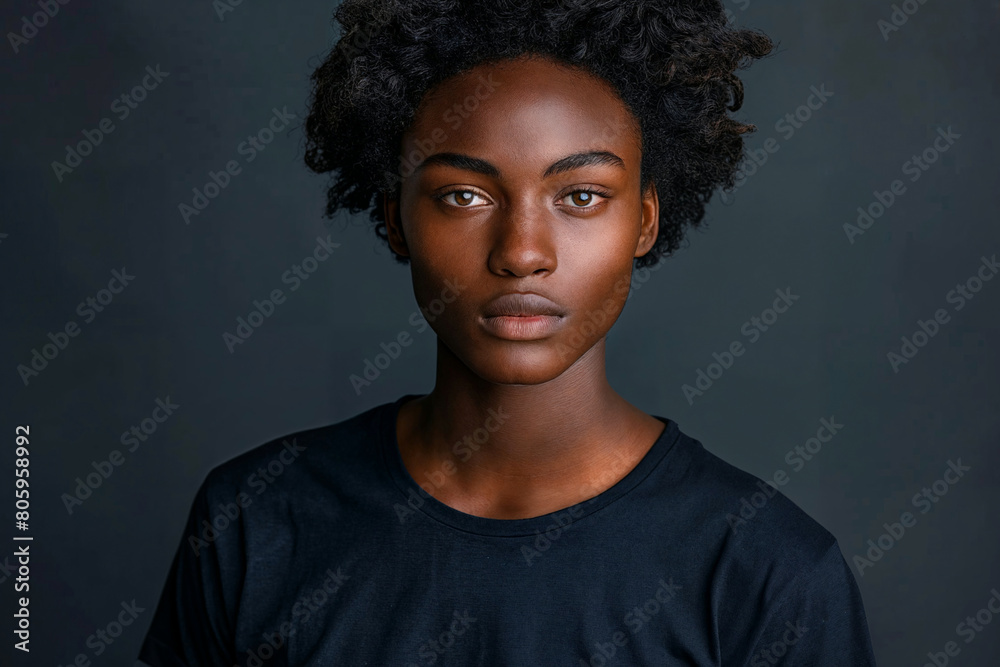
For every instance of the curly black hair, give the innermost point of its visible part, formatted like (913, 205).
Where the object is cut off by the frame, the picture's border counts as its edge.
(672, 62)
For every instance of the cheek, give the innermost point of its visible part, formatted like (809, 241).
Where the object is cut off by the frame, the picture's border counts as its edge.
(601, 298)
(441, 289)
(608, 296)
(438, 243)
(605, 266)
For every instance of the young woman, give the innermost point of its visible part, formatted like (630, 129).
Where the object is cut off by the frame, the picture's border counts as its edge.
(523, 157)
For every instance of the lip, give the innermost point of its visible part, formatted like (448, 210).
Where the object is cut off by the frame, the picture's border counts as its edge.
(522, 316)
(522, 304)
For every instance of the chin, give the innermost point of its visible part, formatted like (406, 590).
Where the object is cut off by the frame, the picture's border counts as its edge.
(517, 363)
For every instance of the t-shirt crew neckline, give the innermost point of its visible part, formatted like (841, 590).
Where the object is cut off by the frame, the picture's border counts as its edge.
(389, 449)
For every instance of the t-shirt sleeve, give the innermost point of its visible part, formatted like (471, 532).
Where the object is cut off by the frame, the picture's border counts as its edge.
(192, 626)
(818, 621)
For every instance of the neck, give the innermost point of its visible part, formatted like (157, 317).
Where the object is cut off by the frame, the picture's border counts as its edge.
(544, 444)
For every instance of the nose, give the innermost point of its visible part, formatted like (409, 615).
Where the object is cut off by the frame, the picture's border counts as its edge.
(523, 241)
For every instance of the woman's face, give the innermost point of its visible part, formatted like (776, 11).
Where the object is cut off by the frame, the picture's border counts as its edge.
(521, 211)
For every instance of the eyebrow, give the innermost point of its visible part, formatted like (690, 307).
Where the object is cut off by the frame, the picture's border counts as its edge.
(460, 161)
(480, 166)
(578, 160)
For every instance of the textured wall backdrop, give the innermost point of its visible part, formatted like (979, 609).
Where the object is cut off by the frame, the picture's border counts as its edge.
(870, 203)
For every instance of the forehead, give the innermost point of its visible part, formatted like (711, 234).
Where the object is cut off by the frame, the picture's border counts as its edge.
(521, 109)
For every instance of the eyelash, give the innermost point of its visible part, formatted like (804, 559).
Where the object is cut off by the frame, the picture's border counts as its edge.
(588, 189)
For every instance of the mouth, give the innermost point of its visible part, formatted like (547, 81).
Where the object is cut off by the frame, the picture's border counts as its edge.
(527, 304)
(517, 327)
(519, 316)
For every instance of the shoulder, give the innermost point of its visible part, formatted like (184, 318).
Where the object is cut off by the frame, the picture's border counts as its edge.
(757, 529)
(299, 458)
(768, 561)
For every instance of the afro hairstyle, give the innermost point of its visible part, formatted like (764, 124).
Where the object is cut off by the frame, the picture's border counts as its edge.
(672, 62)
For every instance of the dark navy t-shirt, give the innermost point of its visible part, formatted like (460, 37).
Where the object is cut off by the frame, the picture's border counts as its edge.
(320, 549)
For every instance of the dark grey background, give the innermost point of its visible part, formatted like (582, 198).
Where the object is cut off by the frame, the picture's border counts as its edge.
(162, 336)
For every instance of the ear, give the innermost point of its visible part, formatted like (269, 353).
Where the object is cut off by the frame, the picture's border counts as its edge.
(650, 225)
(393, 225)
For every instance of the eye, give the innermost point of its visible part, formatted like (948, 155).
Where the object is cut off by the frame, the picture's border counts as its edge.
(462, 198)
(583, 198)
